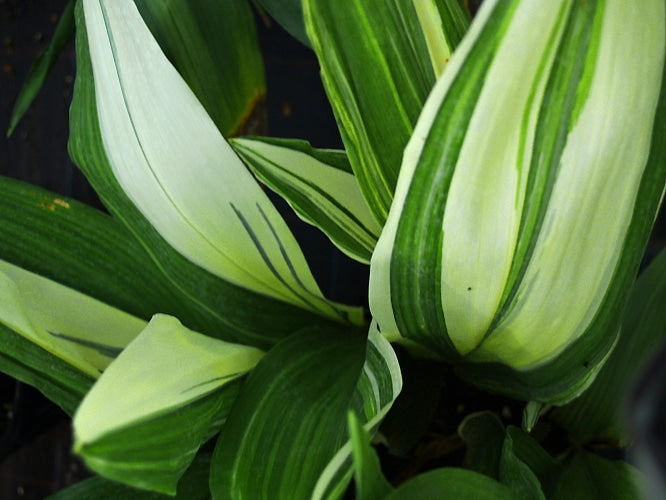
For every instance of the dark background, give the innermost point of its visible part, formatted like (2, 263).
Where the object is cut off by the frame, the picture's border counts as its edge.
(35, 436)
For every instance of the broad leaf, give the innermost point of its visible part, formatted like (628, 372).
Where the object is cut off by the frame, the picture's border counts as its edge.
(461, 484)
(214, 46)
(238, 314)
(598, 411)
(320, 187)
(193, 485)
(494, 231)
(42, 66)
(589, 476)
(286, 436)
(143, 422)
(379, 61)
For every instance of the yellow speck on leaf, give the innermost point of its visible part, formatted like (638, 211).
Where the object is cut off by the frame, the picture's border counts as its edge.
(61, 203)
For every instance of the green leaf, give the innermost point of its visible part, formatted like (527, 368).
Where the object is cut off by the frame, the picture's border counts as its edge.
(517, 475)
(319, 186)
(177, 169)
(193, 485)
(531, 453)
(589, 476)
(598, 412)
(42, 66)
(379, 61)
(483, 434)
(142, 422)
(368, 477)
(237, 313)
(286, 436)
(82, 331)
(452, 483)
(214, 46)
(497, 229)
(289, 13)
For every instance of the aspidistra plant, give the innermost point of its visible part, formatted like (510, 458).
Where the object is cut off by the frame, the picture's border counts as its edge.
(500, 178)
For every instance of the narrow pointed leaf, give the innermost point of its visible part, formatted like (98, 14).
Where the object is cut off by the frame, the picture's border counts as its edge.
(531, 205)
(368, 477)
(452, 483)
(42, 66)
(320, 187)
(286, 436)
(143, 422)
(379, 61)
(238, 313)
(214, 46)
(598, 412)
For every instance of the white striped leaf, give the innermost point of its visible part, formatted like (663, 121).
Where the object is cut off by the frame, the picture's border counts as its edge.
(526, 196)
(166, 393)
(286, 436)
(320, 187)
(379, 61)
(175, 168)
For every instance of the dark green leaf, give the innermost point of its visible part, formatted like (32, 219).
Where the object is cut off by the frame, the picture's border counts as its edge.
(289, 13)
(379, 61)
(368, 477)
(588, 476)
(483, 434)
(517, 475)
(289, 419)
(42, 66)
(452, 483)
(214, 46)
(192, 486)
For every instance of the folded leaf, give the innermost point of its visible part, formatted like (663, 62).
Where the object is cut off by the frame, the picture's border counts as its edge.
(238, 313)
(214, 46)
(526, 195)
(286, 435)
(82, 331)
(320, 187)
(170, 390)
(379, 61)
(42, 66)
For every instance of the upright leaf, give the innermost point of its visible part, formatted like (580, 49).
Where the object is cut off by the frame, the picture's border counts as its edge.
(214, 46)
(239, 314)
(517, 200)
(320, 187)
(368, 477)
(43, 65)
(379, 61)
(142, 423)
